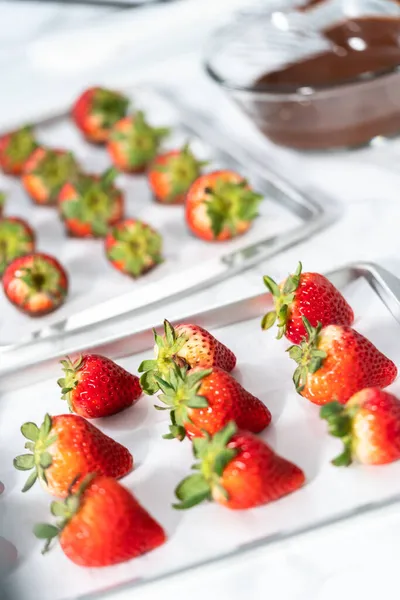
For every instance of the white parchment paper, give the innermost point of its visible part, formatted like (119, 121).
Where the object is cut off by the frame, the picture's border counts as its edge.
(209, 530)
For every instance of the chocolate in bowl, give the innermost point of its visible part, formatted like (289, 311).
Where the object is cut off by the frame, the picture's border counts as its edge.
(342, 92)
(355, 90)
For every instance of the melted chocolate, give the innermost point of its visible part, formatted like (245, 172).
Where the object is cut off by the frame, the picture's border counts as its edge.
(350, 102)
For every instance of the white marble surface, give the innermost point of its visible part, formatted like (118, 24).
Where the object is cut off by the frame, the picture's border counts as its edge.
(48, 52)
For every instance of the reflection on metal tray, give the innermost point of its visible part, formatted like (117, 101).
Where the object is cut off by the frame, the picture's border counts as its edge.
(210, 534)
(287, 216)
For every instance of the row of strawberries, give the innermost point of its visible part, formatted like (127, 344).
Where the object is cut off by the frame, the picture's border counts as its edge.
(101, 523)
(218, 205)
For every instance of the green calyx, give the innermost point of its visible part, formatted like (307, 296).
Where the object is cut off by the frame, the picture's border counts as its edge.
(229, 203)
(15, 241)
(70, 380)
(2, 202)
(167, 349)
(182, 170)
(39, 459)
(213, 456)
(95, 201)
(339, 418)
(307, 355)
(282, 300)
(42, 276)
(21, 144)
(137, 247)
(141, 142)
(64, 510)
(55, 169)
(110, 106)
(179, 395)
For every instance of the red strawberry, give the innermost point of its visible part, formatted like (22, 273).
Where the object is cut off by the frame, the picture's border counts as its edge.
(16, 239)
(95, 386)
(133, 143)
(2, 203)
(309, 295)
(15, 149)
(220, 206)
(369, 426)
(68, 447)
(335, 362)
(37, 284)
(172, 173)
(101, 524)
(45, 173)
(90, 204)
(189, 345)
(97, 110)
(206, 400)
(133, 247)
(238, 470)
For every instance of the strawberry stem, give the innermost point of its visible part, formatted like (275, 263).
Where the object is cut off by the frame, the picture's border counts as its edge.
(307, 355)
(65, 510)
(167, 348)
(339, 419)
(213, 456)
(282, 300)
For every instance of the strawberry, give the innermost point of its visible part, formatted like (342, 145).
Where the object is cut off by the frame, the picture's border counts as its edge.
(45, 173)
(2, 203)
(36, 283)
(133, 247)
(335, 362)
(171, 174)
(238, 470)
(101, 524)
(205, 400)
(309, 295)
(220, 206)
(90, 204)
(16, 239)
(369, 426)
(95, 386)
(97, 110)
(68, 447)
(185, 345)
(15, 149)
(133, 143)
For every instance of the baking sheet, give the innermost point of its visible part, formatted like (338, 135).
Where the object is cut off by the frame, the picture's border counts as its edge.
(208, 531)
(92, 278)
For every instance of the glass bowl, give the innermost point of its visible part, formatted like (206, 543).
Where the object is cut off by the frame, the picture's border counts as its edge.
(321, 78)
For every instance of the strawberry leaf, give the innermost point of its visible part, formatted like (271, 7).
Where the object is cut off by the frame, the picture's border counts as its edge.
(268, 320)
(30, 481)
(344, 459)
(272, 286)
(191, 491)
(45, 460)
(24, 462)
(43, 531)
(30, 431)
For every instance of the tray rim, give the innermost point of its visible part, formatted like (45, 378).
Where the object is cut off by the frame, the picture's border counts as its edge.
(314, 215)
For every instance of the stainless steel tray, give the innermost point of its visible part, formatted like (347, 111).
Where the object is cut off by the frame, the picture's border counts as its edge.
(287, 216)
(331, 495)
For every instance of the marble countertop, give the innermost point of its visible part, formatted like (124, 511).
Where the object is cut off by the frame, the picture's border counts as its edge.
(48, 52)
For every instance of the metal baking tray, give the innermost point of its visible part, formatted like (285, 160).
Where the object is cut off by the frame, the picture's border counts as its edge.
(208, 534)
(287, 216)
